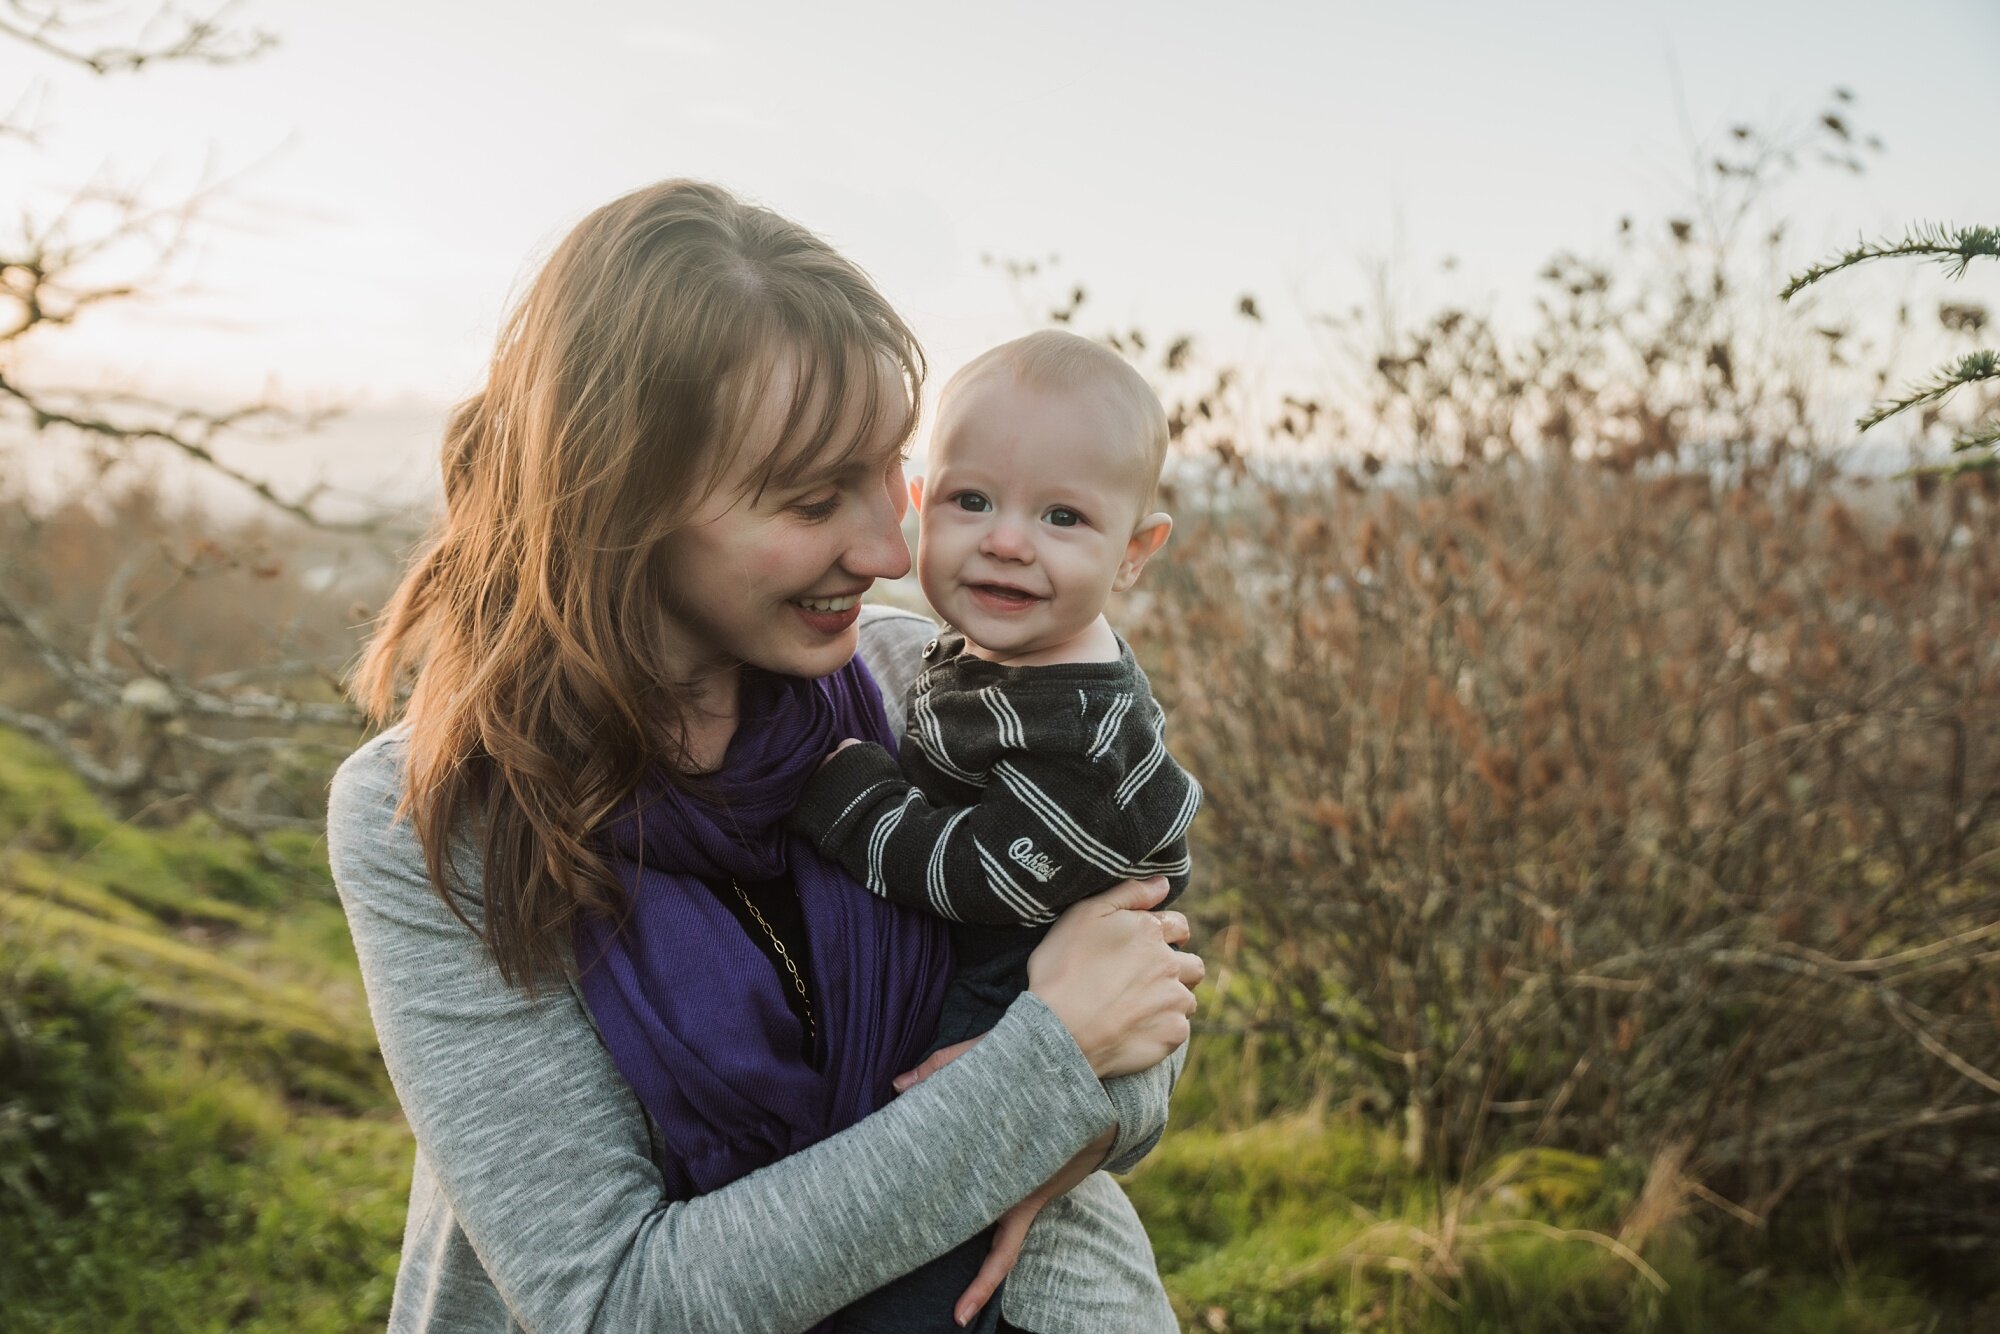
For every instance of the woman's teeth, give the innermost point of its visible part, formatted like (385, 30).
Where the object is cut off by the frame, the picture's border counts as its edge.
(829, 604)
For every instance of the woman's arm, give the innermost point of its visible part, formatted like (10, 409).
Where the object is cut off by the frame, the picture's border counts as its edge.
(540, 1148)
(1139, 1102)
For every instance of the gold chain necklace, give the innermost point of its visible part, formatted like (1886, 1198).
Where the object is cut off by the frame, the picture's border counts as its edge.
(784, 955)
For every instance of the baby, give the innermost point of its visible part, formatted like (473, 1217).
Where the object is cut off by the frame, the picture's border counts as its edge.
(1035, 771)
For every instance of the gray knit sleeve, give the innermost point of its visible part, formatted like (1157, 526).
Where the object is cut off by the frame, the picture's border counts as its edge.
(541, 1151)
(892, 648)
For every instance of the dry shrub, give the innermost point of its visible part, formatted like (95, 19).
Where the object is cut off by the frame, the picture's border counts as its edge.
(1591, 762)
(1614, 808)
(239, 629)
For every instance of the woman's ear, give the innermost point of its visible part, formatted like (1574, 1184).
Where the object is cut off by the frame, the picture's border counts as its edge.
(1146, 541)
(917, 493)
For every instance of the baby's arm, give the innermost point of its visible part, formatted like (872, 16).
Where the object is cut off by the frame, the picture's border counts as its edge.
(1046, 832)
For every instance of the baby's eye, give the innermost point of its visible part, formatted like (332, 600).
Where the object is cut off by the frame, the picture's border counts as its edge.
(1063, 517)
(972, 501)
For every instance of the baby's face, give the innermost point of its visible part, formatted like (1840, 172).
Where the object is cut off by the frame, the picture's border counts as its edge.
(1028, 507)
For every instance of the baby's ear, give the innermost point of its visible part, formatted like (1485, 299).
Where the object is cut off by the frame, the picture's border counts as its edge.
(917, 492)
(1146, 541)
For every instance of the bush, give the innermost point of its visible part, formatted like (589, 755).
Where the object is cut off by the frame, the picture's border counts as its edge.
(1613, 774)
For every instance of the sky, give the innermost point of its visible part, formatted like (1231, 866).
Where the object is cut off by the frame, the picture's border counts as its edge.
(390, 172)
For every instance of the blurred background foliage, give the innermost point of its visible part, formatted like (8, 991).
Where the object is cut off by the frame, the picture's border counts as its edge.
(1600, 873)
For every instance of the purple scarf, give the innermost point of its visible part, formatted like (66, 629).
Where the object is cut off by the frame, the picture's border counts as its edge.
(688, 1005)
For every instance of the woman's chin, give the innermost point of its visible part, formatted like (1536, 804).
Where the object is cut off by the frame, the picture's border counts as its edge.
(810, 656)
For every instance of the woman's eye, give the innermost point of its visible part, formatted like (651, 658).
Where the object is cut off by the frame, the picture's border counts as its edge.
(822, 508)
(1063, 517)
(972, 501)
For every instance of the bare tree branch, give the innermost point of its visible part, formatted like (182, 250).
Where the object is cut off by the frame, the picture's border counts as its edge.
(56, 28)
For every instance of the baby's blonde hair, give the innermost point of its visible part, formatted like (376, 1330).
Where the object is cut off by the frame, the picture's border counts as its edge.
(1062, 362)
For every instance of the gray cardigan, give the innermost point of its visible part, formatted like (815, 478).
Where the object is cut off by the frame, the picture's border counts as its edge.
(535, 1203)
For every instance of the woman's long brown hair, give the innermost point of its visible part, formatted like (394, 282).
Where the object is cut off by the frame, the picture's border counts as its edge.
(528, 630)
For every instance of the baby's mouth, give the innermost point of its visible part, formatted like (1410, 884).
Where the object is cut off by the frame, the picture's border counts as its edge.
(1005, 594)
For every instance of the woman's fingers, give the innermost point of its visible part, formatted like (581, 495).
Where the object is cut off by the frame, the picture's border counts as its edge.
(1008, 1236)
(1110, 970)
(1192, 969)
(1132, 893)
(933, 1063)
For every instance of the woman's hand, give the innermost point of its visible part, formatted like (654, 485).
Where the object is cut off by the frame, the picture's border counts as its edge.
(1109, 970)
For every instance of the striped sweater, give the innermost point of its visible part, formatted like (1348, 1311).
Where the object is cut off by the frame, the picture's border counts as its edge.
(1020, 791)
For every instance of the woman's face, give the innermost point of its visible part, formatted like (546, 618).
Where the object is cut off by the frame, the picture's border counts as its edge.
(775, 581)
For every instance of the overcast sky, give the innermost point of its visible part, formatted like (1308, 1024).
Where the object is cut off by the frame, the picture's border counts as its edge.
(396, 167)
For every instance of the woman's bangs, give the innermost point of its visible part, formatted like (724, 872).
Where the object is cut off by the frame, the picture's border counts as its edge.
(852, 404)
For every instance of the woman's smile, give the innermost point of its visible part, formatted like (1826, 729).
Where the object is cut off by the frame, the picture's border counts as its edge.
(829, 616)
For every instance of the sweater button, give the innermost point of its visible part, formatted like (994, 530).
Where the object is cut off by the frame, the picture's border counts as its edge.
(931, 649)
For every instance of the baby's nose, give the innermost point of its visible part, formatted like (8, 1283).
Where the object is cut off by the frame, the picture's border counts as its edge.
(1006, 541)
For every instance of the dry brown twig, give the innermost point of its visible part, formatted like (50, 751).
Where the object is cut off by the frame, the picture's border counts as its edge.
(123, 712)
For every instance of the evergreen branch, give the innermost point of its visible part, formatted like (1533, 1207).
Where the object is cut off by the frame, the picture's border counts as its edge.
(1954, 466)
(1971, 369)
(1979, 437)
(1953, 247)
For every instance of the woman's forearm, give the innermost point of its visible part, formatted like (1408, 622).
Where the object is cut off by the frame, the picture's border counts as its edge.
(798, 1240)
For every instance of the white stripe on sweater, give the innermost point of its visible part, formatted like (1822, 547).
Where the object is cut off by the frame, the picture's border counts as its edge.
(1031, 910)
(1143, 771)
(930, 736)
(864, 795)
(1107, 727)
(934, 869)
(1011, 734)
(1189, 805)
(1060, 822)
(878, 842)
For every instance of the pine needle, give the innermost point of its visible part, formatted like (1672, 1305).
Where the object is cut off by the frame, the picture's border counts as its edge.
(1970, 369)
(1953, 247)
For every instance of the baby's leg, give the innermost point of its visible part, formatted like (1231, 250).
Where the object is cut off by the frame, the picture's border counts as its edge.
(923, 1300)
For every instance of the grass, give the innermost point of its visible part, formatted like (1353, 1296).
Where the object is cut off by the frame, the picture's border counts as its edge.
(195, 1132)
(1310, 1222)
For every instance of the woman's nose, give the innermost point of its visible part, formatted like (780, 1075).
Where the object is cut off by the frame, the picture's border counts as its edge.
(877, 549)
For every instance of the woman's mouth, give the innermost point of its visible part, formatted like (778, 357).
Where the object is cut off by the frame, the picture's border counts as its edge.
(829, 616)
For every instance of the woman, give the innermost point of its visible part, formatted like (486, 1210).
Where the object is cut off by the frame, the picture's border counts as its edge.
(644, 1043)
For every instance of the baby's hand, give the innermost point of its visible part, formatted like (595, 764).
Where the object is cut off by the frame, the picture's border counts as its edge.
(851, 741)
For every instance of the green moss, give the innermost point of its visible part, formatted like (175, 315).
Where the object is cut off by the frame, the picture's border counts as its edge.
(195, 1130)
(227, 1209)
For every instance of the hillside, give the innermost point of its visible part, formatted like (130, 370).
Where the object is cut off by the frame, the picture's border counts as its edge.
(195, 1131)
(196, 1134)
